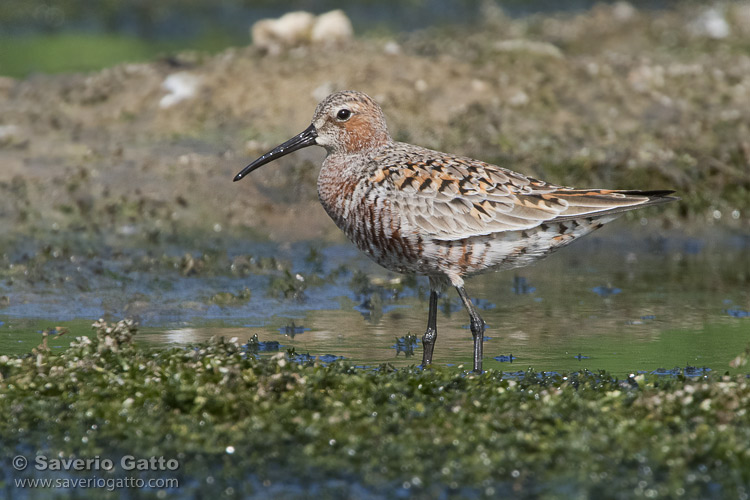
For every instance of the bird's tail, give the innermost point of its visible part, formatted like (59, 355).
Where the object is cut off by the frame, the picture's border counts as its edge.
(600, 202)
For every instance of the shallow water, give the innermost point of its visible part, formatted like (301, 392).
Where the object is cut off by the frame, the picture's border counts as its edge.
(620, 301)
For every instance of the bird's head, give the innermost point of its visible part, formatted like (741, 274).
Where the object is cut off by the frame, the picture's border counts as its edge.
(346, 122)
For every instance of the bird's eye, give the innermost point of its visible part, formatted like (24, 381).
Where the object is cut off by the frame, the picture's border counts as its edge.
(344, 114)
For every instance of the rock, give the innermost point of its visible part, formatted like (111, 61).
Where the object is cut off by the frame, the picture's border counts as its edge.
(277, 35)
(711, 24)
(529, 47)
(623, 11)
(492, 13)
(392, 48)
(179, 86)
(332, 28)
(518, 99)
(9, 134)
(478, 85)
(300, 28)
(646, 78)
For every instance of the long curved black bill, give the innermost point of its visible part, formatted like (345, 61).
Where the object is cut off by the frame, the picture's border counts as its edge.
(299, 141)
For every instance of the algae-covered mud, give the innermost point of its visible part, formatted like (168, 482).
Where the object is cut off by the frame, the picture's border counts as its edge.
(216, 419)
(615, 368)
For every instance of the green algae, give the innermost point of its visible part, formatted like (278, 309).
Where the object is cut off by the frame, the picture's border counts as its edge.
(252, 424)
(230, 299)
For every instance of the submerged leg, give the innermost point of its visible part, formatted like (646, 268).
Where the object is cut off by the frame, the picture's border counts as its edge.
(477, 328)
(428, 341)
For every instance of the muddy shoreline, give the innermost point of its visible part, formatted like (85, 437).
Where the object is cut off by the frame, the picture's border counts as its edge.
(597, 99)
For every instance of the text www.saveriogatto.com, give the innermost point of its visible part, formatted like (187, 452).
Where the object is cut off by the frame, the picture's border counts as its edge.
(127, 463)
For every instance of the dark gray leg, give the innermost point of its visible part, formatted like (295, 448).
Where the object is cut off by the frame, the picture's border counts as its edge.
(477, 328)
(428, 341)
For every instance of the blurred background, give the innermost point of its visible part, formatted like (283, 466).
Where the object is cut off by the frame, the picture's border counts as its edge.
(616, 93)
(76, 35)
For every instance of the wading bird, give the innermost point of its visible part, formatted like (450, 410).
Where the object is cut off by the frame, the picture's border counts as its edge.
(414, 210)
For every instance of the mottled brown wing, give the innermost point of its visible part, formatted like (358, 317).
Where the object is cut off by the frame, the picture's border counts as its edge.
(452, 198)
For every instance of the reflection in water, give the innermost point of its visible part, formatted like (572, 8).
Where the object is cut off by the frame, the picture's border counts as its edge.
(183, 336)
(291, 330)
(254, 345)
(406, 344)
(521, 286)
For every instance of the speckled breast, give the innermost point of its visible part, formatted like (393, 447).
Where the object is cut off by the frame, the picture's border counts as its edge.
(370, 222)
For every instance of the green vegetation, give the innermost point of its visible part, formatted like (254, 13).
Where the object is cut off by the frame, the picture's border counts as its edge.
(75, 52)
(69, 52)
(240, 425)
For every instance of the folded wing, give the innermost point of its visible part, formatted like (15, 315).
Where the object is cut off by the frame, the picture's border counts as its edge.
(450, 198)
